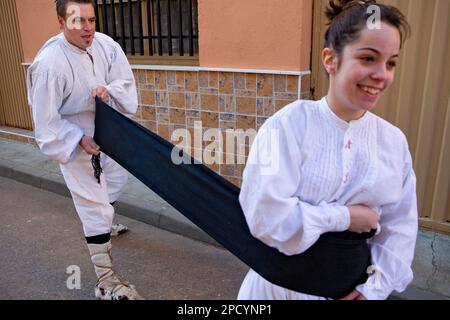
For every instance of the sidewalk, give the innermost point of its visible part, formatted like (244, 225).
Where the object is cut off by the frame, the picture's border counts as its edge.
(25, 163)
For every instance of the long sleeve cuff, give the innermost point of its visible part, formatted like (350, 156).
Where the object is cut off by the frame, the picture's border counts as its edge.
(61, 150)
(339, 218)
(394, 274)
(372, 292)
(125, 99)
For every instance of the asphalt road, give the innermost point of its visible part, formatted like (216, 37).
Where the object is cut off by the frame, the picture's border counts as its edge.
(43, 254)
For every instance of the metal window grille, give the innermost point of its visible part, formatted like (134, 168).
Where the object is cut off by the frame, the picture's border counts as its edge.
(150, 27)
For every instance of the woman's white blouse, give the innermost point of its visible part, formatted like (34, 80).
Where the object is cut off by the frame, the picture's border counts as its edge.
(307, 165)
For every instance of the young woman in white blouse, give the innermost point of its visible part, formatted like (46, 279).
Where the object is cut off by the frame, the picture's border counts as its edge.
(339, 167)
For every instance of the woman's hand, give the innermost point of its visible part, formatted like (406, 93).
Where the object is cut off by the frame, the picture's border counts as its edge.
(354, 295)
(362, 219)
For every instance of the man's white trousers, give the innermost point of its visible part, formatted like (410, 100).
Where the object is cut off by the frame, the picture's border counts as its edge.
(92, 200)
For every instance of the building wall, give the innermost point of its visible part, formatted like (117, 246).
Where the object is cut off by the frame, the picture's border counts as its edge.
(14, 110)
(246, 36)
(233, 34)
(255, 34)
(38, 22)
(170, 100)
(251, 34)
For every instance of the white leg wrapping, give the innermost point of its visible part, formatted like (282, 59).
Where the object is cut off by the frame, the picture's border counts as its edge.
(109, 286)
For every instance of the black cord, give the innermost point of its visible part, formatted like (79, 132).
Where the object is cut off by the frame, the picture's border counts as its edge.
(95, 161)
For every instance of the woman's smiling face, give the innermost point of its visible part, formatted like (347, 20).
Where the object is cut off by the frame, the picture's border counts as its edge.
(363, 71)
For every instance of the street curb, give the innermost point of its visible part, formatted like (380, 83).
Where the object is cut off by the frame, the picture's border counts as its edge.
(159, 216)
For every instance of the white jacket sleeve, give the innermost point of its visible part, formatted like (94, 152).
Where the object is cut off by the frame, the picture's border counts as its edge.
(393, 249)
(275, 215)
(121, 83)
(57, 138)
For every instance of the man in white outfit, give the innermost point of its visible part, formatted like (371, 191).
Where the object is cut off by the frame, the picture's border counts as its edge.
(66, 75)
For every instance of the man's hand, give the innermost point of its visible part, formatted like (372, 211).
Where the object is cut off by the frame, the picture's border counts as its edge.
(102, 93)
(362, 219)
(88, 144)
(354, 295)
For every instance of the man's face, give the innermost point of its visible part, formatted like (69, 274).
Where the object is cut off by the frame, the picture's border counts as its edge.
(79, 24)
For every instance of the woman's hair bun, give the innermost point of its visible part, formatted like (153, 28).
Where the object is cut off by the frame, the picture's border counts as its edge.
(336, 7)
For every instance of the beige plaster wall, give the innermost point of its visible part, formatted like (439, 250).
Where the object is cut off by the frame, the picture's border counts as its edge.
(259, 34)
(37, 22)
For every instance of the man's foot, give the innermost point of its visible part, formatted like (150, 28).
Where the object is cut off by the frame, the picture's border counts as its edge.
(109, 286)
(118, 229)
(115, 289)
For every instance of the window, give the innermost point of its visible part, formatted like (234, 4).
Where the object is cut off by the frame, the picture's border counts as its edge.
(150, 30)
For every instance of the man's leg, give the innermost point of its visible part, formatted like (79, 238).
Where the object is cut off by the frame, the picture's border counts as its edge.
(116, 179)
(93, 206)
(109, 286)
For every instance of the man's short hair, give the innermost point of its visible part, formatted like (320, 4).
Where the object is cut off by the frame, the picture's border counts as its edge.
(61, 5)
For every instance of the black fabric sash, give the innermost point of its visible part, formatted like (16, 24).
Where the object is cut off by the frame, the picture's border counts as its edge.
(331, 268)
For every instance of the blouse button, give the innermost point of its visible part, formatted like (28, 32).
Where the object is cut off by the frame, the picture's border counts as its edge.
(348, 144)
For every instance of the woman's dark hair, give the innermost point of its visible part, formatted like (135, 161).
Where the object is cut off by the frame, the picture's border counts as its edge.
(61, 5)
(347, 18)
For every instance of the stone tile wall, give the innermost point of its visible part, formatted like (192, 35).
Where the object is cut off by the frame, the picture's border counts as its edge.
(170, 100)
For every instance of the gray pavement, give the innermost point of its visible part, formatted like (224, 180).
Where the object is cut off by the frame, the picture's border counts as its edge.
(41, 237)
(25, 163)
